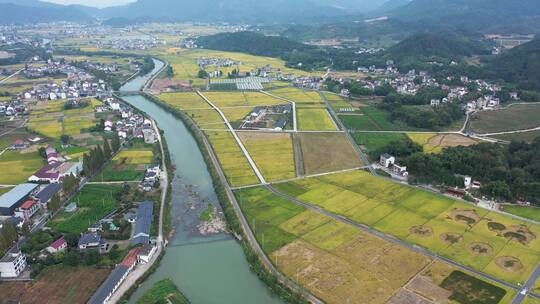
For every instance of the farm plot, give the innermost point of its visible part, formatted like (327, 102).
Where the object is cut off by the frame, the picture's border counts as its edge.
(327, 152)
(443, 283)
(516, 117)
(335, 261)
(490, 242)
(185, 100)
(370, 119)
(435, 143)
(300, 97)
(315, 120)
(338, 103)
(56, 285)
(273, 154)
(236, 99)
(373, 143)
(524, 136)
(129, 165)
(233, 161)
(19, 165)
(94, 202)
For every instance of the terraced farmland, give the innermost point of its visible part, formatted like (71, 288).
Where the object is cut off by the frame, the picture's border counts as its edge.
(490, 242)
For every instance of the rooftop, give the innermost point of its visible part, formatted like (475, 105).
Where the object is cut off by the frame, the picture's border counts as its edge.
(145, 214)
(7, 200)
(109, 285)
(48, 192)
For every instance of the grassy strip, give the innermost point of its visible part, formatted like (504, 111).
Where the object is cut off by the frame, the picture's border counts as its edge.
(232, 221)
(162, 292)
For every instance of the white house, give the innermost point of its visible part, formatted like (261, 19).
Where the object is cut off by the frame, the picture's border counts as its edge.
(12, 264)
(387, 160)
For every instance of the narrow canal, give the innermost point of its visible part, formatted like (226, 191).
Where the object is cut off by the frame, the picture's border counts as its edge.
(207, 269)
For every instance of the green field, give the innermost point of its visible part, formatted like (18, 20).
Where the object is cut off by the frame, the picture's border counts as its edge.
(376, 141)
(315, 120)
(129, 164)
(451, 228)
(273, 154)
(370, 119)
(20, 166)
(525, 136)
(164, 291)
(233, 161)
(93, 203)
(516, 117)
(532, 213)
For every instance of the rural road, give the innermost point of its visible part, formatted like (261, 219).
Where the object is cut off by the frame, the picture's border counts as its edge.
(10, 76)
(528, 287)
(242, 147)
(393, 239)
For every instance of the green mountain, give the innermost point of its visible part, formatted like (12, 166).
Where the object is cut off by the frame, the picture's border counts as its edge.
(510, 16)
(252, 43)
(520, 65)
(435, 46)
(33, 11)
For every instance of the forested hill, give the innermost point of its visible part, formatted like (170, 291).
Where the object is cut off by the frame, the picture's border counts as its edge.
(433, 46)
(507, 172)
(510, 16)
(252, 43)
(33, 11)
(520, 65)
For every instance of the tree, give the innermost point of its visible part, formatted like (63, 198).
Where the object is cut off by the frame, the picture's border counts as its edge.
(71, 259)
(169, 72)
(106, 148)
(115, 143)
(65, 139)
(42, 152)
(55, 203)
(91, 257)
(202, 74)
(8, 236)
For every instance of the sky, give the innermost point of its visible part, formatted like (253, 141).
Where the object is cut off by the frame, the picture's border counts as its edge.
(95, 3)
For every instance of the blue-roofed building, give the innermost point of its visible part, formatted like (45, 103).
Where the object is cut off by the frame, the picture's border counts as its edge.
(110, 285)
(13, 199)
(143, 224)
(44, 196)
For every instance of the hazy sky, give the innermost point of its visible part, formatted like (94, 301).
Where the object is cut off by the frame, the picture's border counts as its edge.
(96, 3)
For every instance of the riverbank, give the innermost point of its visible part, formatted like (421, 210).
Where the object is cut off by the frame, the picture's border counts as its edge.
(237, 224)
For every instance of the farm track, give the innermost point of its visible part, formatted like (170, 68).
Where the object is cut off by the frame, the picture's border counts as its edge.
(298, 157)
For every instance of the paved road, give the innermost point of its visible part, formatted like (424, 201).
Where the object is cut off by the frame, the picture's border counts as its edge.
(12, 75)
(391, 238)
(528, 287)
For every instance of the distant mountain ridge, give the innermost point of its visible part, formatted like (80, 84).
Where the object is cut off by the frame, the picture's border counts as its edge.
(480, 15)
(33, 11)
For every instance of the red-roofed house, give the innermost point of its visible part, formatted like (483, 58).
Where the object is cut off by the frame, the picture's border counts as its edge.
(27, 209)
(57, 246)
(47, 174)
(131, 258)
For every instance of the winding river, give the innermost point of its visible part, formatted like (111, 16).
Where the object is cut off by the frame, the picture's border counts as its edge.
(207, 269)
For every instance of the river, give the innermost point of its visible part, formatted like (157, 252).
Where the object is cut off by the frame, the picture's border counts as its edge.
(207, 269)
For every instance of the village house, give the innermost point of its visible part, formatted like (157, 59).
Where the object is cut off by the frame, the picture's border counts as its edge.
(92, 241)
(14, 198)
(28, 209)
(13, 263)
(59, 245)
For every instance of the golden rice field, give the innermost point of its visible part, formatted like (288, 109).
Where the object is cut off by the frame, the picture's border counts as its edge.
(315, 120)
(185, 100)
(19, 165)
(134, 157)
(336, 262)
(273, 154)
(435, 143)
(300, 97)
(496, 244)
(223, 100)
(233, 161)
